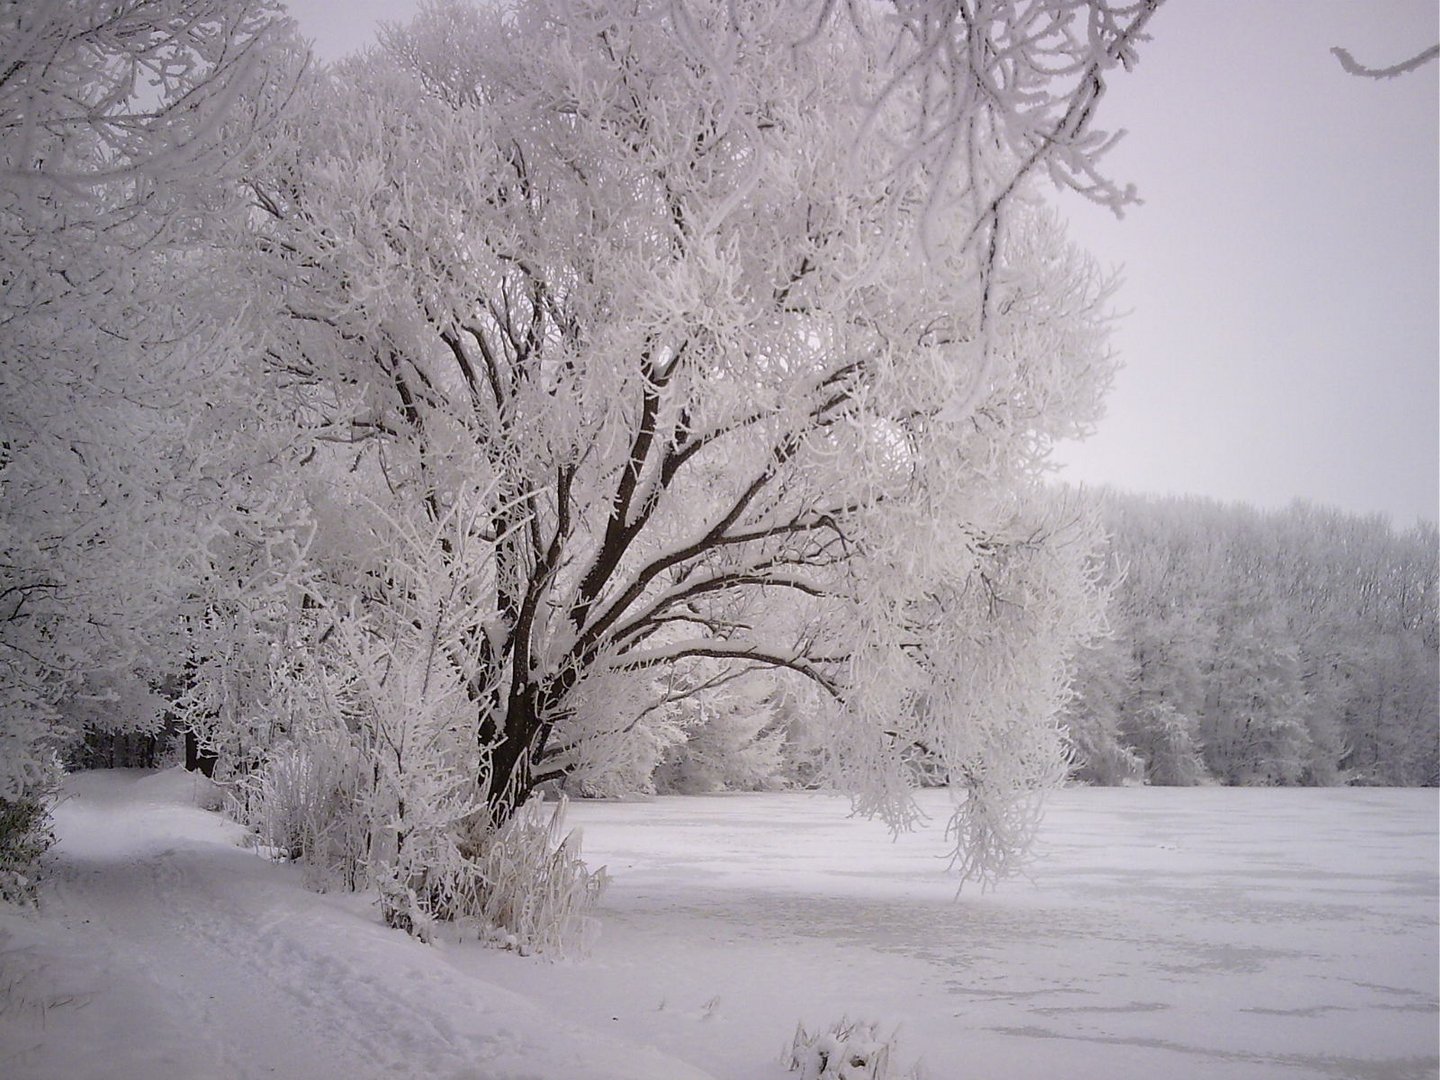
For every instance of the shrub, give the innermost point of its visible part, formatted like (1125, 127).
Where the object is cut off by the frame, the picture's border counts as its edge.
(25, 836)
(524, 885)
(847, 1050)
(304, 804)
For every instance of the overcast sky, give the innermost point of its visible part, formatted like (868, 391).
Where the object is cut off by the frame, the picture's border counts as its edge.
(1281, 279)
(1282, 275)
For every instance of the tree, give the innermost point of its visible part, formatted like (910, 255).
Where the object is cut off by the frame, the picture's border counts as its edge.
(1166, 743)
(731, 739)
(1096, 718)
(610, 283)
(117, 123)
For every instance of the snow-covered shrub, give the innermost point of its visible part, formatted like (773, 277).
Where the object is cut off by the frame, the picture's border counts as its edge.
(522, 884)
(847, 1050)
(306, 803)
(358, 753)
(723, 756)
(421, 811)
(25, 836)
(537, 892)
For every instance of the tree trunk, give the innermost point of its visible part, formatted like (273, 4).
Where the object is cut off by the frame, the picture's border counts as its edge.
(199, 760)
(512, 755)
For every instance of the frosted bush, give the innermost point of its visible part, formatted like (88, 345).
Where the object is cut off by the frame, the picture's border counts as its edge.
(25, 830)
(303, 805)
(847, 1050)
(24, 837)
(537, 893)
(522, 884)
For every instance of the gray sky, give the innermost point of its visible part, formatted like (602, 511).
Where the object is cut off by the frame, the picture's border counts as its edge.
(1281, 279)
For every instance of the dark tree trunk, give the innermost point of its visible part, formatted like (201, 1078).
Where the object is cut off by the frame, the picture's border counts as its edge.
(515, 755)
(199, 760)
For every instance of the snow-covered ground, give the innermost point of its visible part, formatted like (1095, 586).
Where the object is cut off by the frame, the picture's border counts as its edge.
(1197, 933)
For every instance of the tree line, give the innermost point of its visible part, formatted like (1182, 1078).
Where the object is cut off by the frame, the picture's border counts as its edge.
(1296, 646)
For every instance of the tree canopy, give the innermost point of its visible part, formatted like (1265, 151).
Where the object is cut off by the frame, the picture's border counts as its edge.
(488, 404)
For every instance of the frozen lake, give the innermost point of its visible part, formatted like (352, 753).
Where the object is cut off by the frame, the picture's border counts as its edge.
(1192, 933)
(1198, 934)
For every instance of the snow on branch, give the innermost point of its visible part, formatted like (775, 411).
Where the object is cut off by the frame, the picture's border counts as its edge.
(1354, 67)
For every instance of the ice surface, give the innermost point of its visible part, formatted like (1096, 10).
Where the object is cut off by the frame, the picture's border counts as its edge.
(1197, 933)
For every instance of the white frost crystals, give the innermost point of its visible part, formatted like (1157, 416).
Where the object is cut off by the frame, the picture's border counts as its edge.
(847, 1050)
(588, 367)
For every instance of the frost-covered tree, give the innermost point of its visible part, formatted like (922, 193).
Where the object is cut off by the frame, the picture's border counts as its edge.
(1097, 719)
(1250, 725)
(1165, 742)
(1291, 647)
(117, 121)
(731, 736)
(612, 282)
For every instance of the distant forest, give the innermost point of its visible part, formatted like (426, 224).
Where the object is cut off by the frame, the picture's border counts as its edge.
(1252, 647)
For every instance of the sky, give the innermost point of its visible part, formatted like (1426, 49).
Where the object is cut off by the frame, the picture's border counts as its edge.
(1281, 280)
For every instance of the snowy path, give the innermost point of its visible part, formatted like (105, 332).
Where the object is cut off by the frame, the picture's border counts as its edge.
(169, 953)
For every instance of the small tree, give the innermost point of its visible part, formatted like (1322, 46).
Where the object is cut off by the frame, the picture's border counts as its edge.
(1165, 740)
(731, 737)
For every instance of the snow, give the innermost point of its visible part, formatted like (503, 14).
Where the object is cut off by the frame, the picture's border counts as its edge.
(1203, 933)
(1196, 933)
(171, 952)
